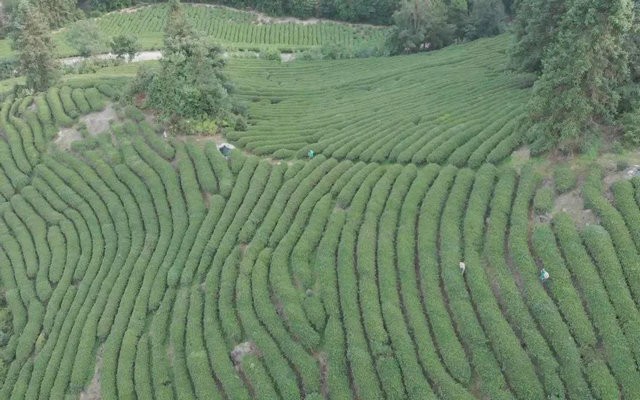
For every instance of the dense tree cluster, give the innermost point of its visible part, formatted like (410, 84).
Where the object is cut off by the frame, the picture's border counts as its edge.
(585, 53)
(371, 11)
(422, 25)
(190, 84)
(56, 13)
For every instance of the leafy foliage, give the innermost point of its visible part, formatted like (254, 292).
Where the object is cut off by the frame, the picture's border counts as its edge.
(58, 12)
(487, 18)
(420, 25)
(584, 70)
(534, 28)
(564, 178)
(190, 83)
(124, 45)
(35, 46)
(543, 200)
(86, 38)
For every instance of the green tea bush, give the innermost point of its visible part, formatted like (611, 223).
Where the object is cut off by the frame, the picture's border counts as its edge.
(550, 322)
(95, 99)
(80, 101)
(443, 327)
(614, 223)
(528, 383)
(600, 308)
(564, 178)
(543, 200)
(69, 106)
(55, 105)
(498, 334)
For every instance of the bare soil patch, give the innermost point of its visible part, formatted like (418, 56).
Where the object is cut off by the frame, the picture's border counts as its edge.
(217, 138)
(520, 157)
(287, 57)
(92, 392)
(96, 123)
(572, 204)
(265, 19)
(243, 349)
(66, 137)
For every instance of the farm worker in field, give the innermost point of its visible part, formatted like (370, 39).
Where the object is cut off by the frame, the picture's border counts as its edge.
(544, 275)
(463, 267)
(311, 154)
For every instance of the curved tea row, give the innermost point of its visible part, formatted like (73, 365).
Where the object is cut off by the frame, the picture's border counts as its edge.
(143, 268)
(457, 106)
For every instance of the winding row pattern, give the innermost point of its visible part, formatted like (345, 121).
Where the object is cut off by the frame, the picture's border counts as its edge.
(241, 29)
(458, 108)
(142, 268)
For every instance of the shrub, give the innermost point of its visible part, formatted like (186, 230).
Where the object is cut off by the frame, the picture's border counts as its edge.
(564, 178)
(443, 329)
(134, 113)
(124, 45)
(67, 102)
(270, 54)
(543, 201)
(86, 37)
(598, 304)
(55, 105)
(81, 101)
(95, 99)
(631, 123)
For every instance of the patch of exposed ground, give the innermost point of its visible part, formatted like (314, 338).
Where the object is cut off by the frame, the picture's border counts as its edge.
(243, 349)
(140, 56)
(287, 57)
(321, 357)
(572, 204)
(92, 392)
(218, 138)
(66, 137)
(265, 19)
(96, 122)
(520, 157)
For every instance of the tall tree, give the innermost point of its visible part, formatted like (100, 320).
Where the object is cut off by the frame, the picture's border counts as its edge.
(584, 70)
(191, 84)
(535, 27)
(458, 16)
(57, 12)
(487, 19)
(420, 25)
(35, 47)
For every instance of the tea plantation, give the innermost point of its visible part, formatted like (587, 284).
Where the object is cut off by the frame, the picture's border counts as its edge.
(235, 29)
(456, 107)
(134, 266)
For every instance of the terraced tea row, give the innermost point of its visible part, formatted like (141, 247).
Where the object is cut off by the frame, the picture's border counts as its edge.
(163, 270)
(240, 29)
(457, 107)
(233, 29)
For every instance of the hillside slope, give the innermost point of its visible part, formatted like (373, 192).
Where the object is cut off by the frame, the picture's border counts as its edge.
(455, 106)
(135, 266)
